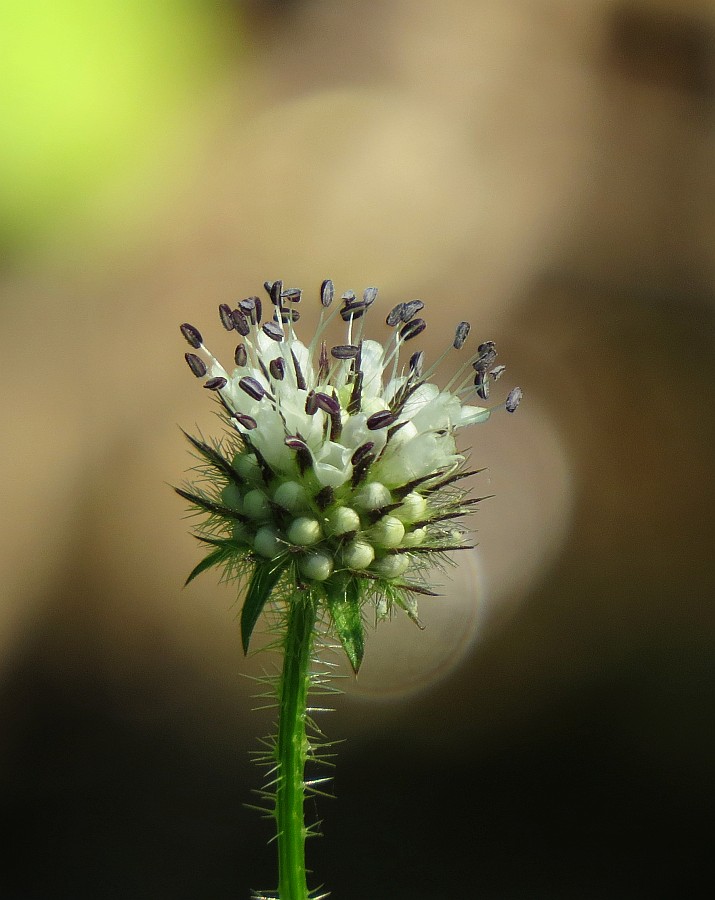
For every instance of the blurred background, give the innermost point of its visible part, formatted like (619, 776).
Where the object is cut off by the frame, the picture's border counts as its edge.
(543, 168)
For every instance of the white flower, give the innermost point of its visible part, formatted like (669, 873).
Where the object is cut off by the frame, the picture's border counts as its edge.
(343, 466)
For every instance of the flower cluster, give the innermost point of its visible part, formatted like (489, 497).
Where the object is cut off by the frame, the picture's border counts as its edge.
(340, 472)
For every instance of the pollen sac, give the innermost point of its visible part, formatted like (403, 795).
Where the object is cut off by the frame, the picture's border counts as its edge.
(293, 295)
(410, 310)
(344, 351)
(224, 312)
(412, 329)
(248, 422)
(275, 291)
(252, 387)
(273, 331)
(361, 452)
(514, 399)
(240, 355)
(381, 419)
(369, 295)
(192, 335)
(487, 354)
(417, 361)
(328, 404)
(497, 372)
(196, 364)
(215, 384)
(481, 383)
(240, 322)
(277, 368)
(461, 335)
(327, 292)
(394, 317)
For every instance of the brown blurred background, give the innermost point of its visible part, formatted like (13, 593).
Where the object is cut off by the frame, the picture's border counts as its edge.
(543, 168)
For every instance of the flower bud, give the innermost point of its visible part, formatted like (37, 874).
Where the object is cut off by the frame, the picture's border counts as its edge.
(415, 537)
(304, 531)
(255, 505)
(387, 532)
(247, 466)
(413, 508)
(266, 542)
(291, 496)
(231, 496)
(316, 565)
(357, 555)
(391, 566)
(342, 520)
(373, 496)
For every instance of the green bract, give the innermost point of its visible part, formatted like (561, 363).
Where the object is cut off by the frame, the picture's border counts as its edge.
(339, 473)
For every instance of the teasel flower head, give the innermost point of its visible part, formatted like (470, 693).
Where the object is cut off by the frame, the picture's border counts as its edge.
(338, 473)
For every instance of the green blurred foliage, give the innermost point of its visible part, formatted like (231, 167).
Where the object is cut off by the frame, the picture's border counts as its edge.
(89, 91)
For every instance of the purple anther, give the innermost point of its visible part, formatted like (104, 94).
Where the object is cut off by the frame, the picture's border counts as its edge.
(284, 315)
(344, 351)
(248, 422)
(481, 383)
(394, 317)
(252, 387)
(353, 309)
(412, 329)
(197, 366)
(487, 354)
(277, 368)
(311, 403)
(327, 292)
(461, 334)
(240, 322)
(273, 331)
(192, 335)
(382, 419)
(328, 404)
(410, 310)
(240, 355)
(497, 372)
(299, 377)
(369, 295)
(268, 285)
(224, 311)
(361, 452)
(215, 384)
(293, 295)
(514, 399)
(275, 292)
(259, 310)
(248, 305)
(303, 456)
(417, 361)
(348, 296)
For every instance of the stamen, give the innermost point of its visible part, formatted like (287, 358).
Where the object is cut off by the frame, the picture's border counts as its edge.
(273, 331)
(277, 368)
(461, 335)
(248, 422)
(327, 292)
(323, 363)
(293, 295)
(344, 351)
(331, 406)
(369, 295)
(311, 403)
(240, 322)
(303, 455)
(360, 469)
(224, 312)
(481, 383)
(252, 387)
(497, 372)
(361, 452)
(285, 315)
(192, 335)
(197, 366)
(324, 497)
(275, 292)
(356, 395)
(514, 399)
(413, 328)
(382, 419)
(395, 315)
(259, 309)
(240, 356)
(487, 354)
(416, 363)
(215, 384)
(410, 310)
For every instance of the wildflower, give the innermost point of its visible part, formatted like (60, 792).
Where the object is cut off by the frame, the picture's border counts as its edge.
(340, 472)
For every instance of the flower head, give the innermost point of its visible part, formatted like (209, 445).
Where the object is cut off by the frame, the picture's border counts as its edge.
(339, 474)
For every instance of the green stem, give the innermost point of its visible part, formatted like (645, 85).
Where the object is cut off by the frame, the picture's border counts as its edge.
(293, 748)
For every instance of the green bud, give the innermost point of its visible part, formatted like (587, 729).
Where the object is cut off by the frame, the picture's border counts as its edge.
(240, 533)
(415, 537)
(357, 555)
(266, 542)
(247, 466)
(413, 508)
(387, 532)
(304, 531)
(316, 565)
(255, 505)
(342, 521)
(391, 566)
(291, 496)
(373, 496)
(231, 496)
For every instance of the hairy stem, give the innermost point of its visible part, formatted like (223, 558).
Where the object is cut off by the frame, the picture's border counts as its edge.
(293, 748)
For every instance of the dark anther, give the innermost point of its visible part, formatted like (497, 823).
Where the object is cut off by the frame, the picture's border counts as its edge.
(327, 404)
(360, 470)
(275, 292)
(382, 419)
(258, 310)
(248, 422)
(215, 384)
(240, 356)
(224, 312)
(481, 383)
(487, 354)
(268, 285)
(514, 399)
(395, 315)
(248, 308)
(197, 366)
(356, 395)
(412, 329)
(304, 459)
(361, 452)
(311, 404)
(286, 315)
(252, 387)
(299, 377)
(417, 361)
(277, 368)
(344, 351)
(369, 295)
(324, 497)
(497, 372)
(273, 331)
(327, 292)
(192, 335)
(461, 334)
(353, 309)
(292, 294)
(240, 322)
(410, 310)
(348, 296)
